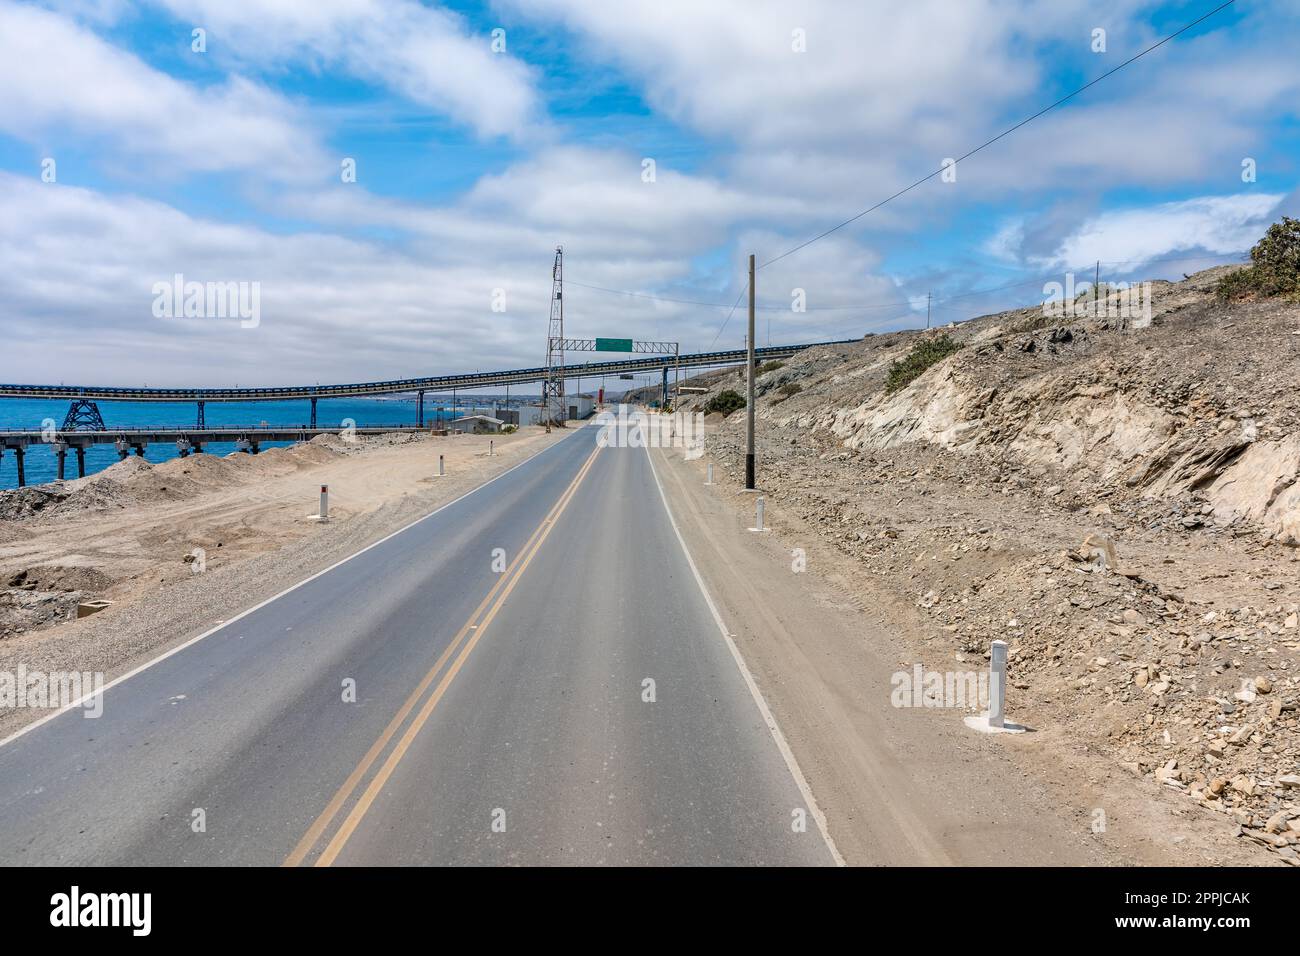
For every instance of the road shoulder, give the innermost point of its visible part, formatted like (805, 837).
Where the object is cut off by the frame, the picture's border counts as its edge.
(899, 786)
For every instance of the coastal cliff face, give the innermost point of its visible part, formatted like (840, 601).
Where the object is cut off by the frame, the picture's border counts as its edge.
(1200, 404)
(1117, 499)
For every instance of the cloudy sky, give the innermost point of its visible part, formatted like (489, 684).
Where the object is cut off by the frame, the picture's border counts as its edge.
(484, 134)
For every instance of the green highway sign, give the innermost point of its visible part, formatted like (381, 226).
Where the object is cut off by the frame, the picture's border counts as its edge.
(613, 345)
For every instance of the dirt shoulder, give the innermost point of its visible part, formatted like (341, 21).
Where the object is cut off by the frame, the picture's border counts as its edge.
(913, 785)
(185, 545)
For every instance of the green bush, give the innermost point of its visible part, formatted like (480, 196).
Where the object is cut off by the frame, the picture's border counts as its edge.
(509, 429)
(1274, 268)
(788, 389)
(925, 353)
(725, 402)
(770, 367)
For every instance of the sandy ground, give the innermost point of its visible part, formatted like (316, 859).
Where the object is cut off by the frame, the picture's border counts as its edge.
(181, 546)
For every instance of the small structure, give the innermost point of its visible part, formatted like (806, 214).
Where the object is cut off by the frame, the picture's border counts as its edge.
(87, 608)
(477, 425)
(577, 407)
(994, 720)
(580, 405)
(523, 415)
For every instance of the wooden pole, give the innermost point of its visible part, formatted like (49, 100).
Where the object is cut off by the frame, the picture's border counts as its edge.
(749, 386)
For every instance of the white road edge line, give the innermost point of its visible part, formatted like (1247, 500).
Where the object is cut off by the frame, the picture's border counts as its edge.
(257, 607)
(791, 764)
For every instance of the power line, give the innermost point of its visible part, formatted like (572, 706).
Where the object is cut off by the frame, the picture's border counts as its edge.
(729, 315)
(839, 327)
(1004, 133)
(892, 304)
(1047, 109)
(1105, 262)
(723, 305)
(861, 307)
(940, 304)
(646, 295)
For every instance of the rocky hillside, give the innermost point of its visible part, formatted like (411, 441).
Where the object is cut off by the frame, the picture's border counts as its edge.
(1118, 500)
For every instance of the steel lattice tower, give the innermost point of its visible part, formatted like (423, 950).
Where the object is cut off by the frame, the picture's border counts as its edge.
(83, 416)
(553, 409)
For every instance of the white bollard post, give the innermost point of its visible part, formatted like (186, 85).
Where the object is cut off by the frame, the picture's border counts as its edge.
(759, 525)
(441, 471)
(997, 684)
(324, 503)
(490, 443)
(709, 479)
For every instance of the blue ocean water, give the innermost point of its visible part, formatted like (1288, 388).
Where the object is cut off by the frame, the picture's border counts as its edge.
(40, 464)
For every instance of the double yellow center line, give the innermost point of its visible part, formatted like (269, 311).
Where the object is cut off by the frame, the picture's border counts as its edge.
(476, 625)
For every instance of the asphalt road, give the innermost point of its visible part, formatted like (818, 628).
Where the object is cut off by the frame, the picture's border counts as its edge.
(580, 706)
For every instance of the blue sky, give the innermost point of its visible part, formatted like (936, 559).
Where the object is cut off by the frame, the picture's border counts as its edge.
(767, 122)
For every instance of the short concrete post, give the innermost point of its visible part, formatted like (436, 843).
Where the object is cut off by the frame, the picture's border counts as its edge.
(324, 502)
(441, 470)
(997, 684)
(759, 508)
(709, 480)
(490, 444)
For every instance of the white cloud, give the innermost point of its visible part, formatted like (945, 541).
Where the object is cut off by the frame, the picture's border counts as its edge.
(330, 307)
(80, 267)
(592, 201)
(1220, 225)
(61, 80)
(884, 93)
(426, 54)
(730, 66)
(1006, 242)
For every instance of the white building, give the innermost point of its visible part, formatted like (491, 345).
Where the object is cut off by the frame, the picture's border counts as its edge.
(579, 407)
(476, 424)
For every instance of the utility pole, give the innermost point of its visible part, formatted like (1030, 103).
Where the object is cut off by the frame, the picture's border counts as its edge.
(1096, 289)
(927, 309)
(749, 386)
(677, 373)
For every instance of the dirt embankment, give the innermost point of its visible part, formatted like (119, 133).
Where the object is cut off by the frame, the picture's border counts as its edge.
(169, 542)
(1120, 504)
